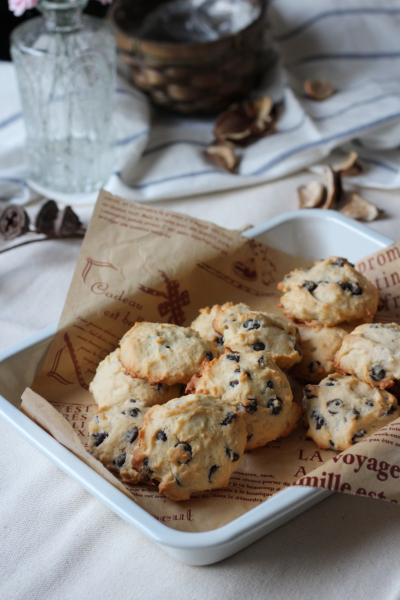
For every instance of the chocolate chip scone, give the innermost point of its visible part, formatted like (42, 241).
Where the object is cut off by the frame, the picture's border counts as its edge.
(164, 353)
(331, 292)
(203, 325)
(372, 353)
(112, 386)
(189, 445)
(256, 389)
(227, 310)
(343, 410)
(318, 347)
(114, 435)
(261, 332)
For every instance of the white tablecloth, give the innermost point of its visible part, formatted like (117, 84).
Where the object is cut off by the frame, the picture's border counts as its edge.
(58, 542)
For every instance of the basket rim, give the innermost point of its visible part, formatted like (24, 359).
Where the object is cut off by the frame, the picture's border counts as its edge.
(152, 47)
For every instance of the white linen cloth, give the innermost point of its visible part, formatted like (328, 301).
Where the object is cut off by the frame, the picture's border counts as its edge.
(352, 43)
(59, 543)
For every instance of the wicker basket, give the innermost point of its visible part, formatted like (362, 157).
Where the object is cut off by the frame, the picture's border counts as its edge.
(201, 77)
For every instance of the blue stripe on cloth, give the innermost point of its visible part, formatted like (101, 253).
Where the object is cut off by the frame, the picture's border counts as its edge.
(326, 140)
(294, 127)
(205, 144)
(379, 163)
(131, 138)
(346, 56)
(173, 178)
(354, 105)
(173, 143)
(10, 120)
(334, 13)
(274, 161)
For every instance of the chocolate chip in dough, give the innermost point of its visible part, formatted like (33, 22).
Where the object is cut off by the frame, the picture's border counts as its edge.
(276, 405)
(234, 357)
(120, 461)
(99, 437)
(213, 469)
(251, 324)
(252, 407)
(310, 286)
(132, 435)
(377, 373)
(339, 262)
(231, 455)
(230, 417)
(258, 346)
(356, 437)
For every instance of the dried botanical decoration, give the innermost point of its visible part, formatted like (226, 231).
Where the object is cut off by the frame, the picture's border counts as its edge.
(45, 218)
(348, 166)
(223, 154)
(14, 222)
(318, 89)
(264, 115)
(234, 123)
(311, 195)
(246, 122)
(333, 187)
(67, 223)
(360, 209)
(50, 223)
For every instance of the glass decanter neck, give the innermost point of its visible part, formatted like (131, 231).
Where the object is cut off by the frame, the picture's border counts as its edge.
(62, 15)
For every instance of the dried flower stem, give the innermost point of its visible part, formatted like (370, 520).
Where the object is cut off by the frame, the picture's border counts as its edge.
(43, 239)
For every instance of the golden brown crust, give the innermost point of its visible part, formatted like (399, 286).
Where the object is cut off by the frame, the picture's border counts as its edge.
(343, 410)
(331, 292)
(372, 353)
(256, 388)
(164, 353)
(190, 444)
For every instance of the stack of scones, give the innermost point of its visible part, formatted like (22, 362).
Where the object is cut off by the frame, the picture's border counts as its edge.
(178, 407)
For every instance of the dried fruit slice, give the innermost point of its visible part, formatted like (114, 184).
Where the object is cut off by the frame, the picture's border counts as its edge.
(318, 89)
(223, 155)
(360, 209)
(264, 115)
(311, 195)
(333, 187)
(45, 218)
(348, 166)
(14, 222)
(234, 123)
(67, 223)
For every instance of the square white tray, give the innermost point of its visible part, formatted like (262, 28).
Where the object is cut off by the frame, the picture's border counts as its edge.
(309, 233)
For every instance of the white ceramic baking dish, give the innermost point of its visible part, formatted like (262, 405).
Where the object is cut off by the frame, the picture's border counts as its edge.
(309, 233)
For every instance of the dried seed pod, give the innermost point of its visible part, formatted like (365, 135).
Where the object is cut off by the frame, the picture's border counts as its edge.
(264, 115)
(311, 195)
(360, 209)
(348, 166)
(333, 187)
(14, 222)
(224, 155)
(234, 123)
(318, 89)
(67, 223)
(46, 216)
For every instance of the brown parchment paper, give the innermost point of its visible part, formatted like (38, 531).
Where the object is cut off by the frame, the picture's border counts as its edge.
(142, 263)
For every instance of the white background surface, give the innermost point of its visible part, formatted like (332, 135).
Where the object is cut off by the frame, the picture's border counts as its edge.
(59, 542)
